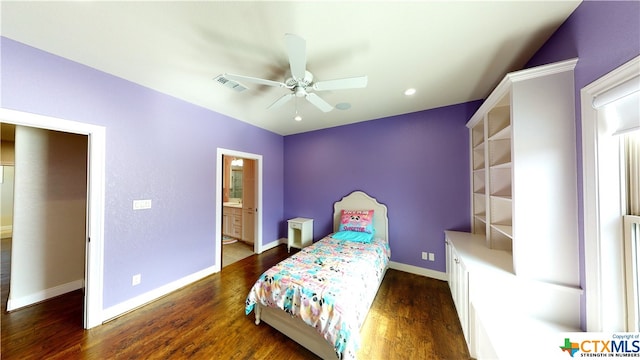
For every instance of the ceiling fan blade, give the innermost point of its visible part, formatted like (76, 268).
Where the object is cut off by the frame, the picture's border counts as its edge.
(318, 102)
(255, 80)
(283, 99)
(338, 84)
(297, 50)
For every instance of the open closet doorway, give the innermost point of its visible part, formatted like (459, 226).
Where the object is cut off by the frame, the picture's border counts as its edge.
(238, 204)
(48, 215)
(91, 262)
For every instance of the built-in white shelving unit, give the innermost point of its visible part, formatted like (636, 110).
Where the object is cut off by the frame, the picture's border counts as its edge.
(518, 272)
(523, 163)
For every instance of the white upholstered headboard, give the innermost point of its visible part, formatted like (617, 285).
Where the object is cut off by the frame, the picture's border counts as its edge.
(359, 200)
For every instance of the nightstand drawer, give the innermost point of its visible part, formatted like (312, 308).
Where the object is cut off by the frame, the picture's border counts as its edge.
(295, 225)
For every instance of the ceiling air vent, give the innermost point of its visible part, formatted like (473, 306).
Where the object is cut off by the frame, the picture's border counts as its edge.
(222, 80)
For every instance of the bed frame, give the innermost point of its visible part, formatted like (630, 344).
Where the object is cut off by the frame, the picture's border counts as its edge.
(293, 327)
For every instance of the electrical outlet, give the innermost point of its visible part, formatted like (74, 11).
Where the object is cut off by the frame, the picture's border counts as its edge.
(136, 279)
(425, 255)
(432, 257)
(141, 204)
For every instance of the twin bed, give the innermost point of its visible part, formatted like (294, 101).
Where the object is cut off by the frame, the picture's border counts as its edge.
(320, 296)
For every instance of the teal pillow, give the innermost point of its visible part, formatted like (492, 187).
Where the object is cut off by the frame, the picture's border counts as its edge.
(355, 236)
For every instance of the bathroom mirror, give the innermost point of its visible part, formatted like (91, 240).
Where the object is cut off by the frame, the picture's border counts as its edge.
(235, 190)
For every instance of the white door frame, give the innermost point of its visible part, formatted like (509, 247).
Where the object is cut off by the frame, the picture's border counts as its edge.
(602, 209)
(94, 257)
(257, 245)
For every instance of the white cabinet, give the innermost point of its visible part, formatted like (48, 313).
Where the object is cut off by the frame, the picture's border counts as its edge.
(523, 172)
(497, 308)
(458, 278)
(300, 233)
(232, 221)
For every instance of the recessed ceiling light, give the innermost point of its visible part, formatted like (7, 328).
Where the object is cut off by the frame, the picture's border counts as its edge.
(343, 106)
(410, 91)
(297, 118)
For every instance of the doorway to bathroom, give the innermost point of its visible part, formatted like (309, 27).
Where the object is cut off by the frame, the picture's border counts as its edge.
(238, 204)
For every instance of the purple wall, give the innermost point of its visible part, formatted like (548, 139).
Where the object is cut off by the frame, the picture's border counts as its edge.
(603, 35)
(417, 164)
(159, 148)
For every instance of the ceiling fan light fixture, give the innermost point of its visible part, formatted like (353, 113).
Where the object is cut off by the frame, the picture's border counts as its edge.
(300, 91)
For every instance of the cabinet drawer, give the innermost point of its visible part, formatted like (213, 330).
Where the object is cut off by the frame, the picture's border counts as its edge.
(231, 210)
(237, 220)
(294, 225)
(236, 231)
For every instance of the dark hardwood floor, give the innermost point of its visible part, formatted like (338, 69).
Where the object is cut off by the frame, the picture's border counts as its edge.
(412, 317)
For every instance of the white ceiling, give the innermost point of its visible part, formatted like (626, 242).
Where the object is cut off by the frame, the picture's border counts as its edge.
(450, 51)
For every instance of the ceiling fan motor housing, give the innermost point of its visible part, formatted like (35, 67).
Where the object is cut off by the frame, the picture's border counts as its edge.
(304, 82)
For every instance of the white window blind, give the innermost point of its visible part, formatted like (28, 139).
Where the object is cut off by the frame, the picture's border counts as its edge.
(622, 105)
(632, 261)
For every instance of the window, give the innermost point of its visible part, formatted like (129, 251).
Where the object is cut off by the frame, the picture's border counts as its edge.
(605, 200)
(631, 225)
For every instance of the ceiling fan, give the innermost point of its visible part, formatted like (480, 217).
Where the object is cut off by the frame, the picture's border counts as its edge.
(298, 79)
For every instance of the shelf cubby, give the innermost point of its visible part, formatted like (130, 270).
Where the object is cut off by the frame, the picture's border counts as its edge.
(501, 212)
(499, 152)
(478, 159)
(498, 119)
(499, 241)
(479, 186)
(506, 230)
(479, 226)
(477, 135)
(503, 134)
(500, 182)
(479, 205)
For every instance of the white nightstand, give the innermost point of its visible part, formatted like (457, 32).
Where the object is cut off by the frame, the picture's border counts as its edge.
(300, 233)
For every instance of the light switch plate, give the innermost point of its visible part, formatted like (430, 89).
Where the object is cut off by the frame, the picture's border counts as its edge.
(141, 204)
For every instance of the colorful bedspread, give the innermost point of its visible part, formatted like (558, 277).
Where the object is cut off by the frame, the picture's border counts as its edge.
(330, 285)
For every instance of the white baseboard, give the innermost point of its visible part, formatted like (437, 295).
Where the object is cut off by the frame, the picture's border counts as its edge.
(13, 304)
(273, 244)
(439, 275)
(143, 299)
(140, 300)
